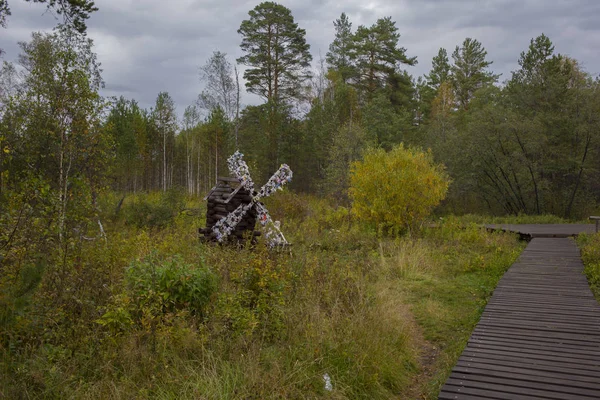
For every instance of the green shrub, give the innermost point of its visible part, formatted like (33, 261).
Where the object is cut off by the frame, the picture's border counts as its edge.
(590, 253)
(396, 190)
(172, 283)
(155, 288)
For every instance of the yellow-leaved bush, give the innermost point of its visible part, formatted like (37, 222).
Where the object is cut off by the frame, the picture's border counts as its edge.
(396, 190)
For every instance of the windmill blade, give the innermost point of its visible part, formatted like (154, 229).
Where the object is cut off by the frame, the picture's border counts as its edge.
(226, 225)
(281, 177)
(238, 168)
(272, 232)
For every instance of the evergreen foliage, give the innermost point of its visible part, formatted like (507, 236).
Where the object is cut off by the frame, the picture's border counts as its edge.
(377, 55)
(440, 70)
(277, 53)
(469, 71)
(340, 50)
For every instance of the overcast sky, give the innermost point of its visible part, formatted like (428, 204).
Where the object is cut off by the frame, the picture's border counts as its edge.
(148, 46)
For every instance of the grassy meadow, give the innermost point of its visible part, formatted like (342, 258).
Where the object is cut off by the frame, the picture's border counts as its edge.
(150, 312)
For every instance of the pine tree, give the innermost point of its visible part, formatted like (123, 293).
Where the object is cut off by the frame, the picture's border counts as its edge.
(279, 58)
(470, 71)
(276, 52)
(377, 55)
(440, 70)
(540, 50)
(338, 56)
(75, 12)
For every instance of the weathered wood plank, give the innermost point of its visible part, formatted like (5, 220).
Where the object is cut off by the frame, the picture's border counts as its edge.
(531, 348)
(533, 369)
(484, 393)
(534, 357)
(545, 230)
(557, 386)
(525, 374)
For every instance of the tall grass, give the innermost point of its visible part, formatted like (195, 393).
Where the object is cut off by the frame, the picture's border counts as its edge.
(590, 253)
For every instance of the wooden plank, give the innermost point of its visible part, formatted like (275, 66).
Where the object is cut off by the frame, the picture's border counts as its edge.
(552, 357)
(535, 335)
(565, 305)
(518, 309)
(482, 327)
(447, 396)
(483, 393)
(560, 387)
(532, 348)
(534, 369)
(583, 326)
(572, 364)
(525, 344)
(529, 374)
(589, 334)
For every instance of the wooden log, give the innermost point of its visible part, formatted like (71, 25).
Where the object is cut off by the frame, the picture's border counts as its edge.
(223, 187)
(232, 194)
(225, 199)
(220, 194)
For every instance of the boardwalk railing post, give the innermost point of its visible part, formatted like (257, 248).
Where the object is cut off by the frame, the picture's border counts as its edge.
(597, 220)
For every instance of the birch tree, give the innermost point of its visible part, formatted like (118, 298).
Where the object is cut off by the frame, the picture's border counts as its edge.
(221, 85)
(165, 119)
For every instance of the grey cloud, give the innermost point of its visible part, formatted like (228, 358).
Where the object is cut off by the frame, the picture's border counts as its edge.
(150, 46)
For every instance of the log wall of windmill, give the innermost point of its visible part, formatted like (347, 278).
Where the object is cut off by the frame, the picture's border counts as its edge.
(218, 208)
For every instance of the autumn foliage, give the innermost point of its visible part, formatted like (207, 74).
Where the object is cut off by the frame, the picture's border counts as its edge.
(396, 190)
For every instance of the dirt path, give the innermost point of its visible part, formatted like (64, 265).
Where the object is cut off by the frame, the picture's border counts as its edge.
(428, 356)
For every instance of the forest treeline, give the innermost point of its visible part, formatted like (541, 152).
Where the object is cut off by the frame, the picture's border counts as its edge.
(528, 144)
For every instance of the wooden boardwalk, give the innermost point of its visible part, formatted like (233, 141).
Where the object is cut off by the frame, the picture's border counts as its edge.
(530, 231)
(539, 336)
